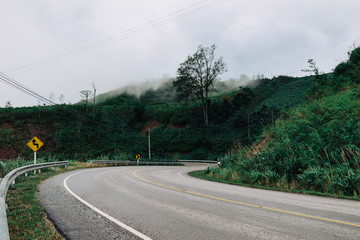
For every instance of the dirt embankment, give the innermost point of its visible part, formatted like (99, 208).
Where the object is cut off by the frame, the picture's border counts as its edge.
(150, 124)
(154, 124)
(22, 135)
(257, 148)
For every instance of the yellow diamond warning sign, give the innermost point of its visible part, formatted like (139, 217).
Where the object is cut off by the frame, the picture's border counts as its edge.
(35, 144)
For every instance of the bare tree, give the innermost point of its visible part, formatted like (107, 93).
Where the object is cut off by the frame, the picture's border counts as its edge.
(52, 96)
(85, 94)
(8, 104)
(61, 98)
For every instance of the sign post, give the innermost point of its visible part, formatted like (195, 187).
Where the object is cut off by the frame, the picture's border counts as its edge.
(149, 144)
(35, 144)
(137, 158)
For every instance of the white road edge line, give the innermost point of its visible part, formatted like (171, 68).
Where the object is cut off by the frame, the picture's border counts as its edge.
(114, 220)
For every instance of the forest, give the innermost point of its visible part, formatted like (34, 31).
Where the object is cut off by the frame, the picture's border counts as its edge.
(118, 127)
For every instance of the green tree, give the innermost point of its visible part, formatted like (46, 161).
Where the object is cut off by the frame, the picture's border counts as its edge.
(319, 76)
(197, 75)
(243, 98)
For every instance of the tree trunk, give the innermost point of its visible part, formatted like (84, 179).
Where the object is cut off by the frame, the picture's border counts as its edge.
(206, 116)
(205, 113)
(94, 101)
(248, 125)
(94, 97)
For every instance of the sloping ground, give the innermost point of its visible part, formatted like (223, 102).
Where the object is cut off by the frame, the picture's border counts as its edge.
(150, 124)
(290, 94)
(314, 147)
(16, 143)
(120, 125)
(257, 148)
(8, 153)
(173, 126)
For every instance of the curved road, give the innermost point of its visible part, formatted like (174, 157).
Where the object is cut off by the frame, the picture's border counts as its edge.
(166, 203)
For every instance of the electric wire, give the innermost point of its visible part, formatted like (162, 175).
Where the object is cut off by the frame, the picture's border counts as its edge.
(15, 84)
(103, 42)
(123, 35)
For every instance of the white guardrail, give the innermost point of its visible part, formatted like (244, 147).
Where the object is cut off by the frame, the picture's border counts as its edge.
(142, 163)
(9, 179)
(200, 161)
(134, 163)
(4, 186)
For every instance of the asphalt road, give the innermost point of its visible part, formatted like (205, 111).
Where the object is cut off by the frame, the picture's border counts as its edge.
(166, 203)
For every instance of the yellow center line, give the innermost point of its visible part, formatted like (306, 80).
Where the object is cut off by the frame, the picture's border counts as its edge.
(242, 203)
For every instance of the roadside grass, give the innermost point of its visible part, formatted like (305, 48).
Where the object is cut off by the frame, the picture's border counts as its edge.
(203, 175)
(26, 218)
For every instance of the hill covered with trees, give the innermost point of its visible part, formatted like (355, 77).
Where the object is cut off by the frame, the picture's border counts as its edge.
(118, 127)
(314, 146)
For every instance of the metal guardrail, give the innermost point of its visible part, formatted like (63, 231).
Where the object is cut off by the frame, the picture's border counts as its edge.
(199, 161)
(135, 163)
(4, 186)
(142, 163)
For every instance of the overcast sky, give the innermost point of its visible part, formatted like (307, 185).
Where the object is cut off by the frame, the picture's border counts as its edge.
(62, 46)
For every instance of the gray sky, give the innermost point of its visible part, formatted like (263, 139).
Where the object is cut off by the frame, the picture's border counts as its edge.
(69, 44)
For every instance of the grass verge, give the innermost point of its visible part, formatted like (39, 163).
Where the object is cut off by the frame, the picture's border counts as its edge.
(202, 175)
(26, 218)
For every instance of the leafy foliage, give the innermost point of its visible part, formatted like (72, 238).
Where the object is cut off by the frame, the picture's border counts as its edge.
(314, 146)
(115, 129)
(197, 75)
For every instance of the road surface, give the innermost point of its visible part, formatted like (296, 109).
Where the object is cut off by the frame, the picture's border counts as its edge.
(165, 203)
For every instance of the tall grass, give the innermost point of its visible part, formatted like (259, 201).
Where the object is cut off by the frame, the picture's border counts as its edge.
(7, 166)
(314, 147)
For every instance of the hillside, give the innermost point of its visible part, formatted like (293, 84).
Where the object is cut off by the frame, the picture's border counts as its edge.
(118, 129)
(314, 146)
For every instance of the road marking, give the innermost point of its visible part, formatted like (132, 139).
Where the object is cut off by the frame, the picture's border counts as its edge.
(114, 220)
(181, 174)
(242, 203)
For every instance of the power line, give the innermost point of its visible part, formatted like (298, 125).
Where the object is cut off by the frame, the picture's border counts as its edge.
(11, 82)
(155, 23)
(15, 84)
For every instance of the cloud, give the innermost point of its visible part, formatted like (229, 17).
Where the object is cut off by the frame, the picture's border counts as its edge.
(254, 37)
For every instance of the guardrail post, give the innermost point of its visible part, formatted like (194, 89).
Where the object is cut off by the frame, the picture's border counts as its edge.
(39, 171)
(5, 184)
(26, 177)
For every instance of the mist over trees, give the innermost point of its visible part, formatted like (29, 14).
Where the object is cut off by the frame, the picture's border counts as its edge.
(197, 75)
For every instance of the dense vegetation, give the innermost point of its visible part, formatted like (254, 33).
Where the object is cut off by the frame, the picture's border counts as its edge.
(118, 128)
(315, 146)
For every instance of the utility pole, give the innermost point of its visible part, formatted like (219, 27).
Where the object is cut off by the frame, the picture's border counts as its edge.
(93, 85)
(149, 144)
